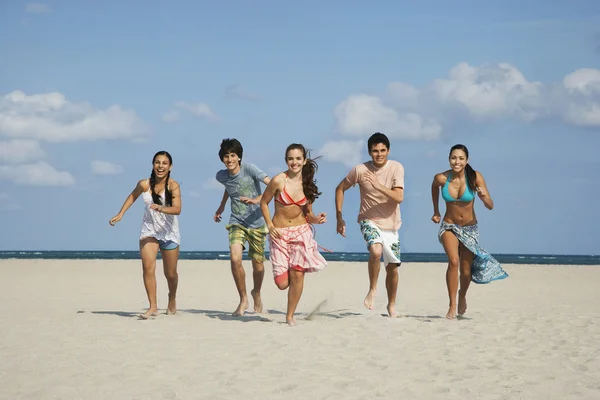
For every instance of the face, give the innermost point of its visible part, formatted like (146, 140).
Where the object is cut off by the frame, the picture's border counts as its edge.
(161, 166)
(379, 153)
(231, 161)
(458, 160)
(295, 160)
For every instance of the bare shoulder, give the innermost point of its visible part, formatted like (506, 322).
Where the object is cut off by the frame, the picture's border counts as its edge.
(479, 178)
(441, 177)
(143, 185)
(173, 184)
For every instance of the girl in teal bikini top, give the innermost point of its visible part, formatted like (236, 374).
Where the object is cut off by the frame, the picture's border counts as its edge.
(467, 196)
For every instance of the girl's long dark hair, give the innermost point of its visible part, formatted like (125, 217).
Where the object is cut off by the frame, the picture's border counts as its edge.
(469, 171)
(168, 196)
(309, 183)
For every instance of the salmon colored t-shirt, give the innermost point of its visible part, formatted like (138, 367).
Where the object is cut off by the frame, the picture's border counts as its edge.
(374, 205)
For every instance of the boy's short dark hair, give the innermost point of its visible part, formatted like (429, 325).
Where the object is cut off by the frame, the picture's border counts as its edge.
(231, 146)
(377, 138)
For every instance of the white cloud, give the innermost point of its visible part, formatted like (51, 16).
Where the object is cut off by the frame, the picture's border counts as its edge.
(212, 184)
(583, 86)
(37, 8)
(195, 194)
(236, 91)
(105, 168)
(38, 174)
(198, 109)
(20, 151)
(362, 114)
(494, 90)
(51, 117)
(171, 116)
(480, 93)
(344, 151)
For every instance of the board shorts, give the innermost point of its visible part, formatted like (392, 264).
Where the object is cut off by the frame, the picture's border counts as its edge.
(255, 237)
(389, 240)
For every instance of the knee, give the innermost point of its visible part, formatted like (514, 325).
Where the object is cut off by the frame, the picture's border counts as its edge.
(236, 261)
(258, 266)
(282, 285)
(392, 268)
(375, 252)
(453, 262)
(171, 275)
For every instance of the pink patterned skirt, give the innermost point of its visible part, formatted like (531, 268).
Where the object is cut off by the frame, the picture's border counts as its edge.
(295, 249)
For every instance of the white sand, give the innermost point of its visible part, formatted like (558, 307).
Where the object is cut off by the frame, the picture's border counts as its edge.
(68, 331)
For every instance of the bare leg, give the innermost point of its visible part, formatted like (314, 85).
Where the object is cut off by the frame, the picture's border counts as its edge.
(294, 294)
(148, 253)
(450, 243)
(239, 277)
(258, 273)
(391, 284)
(170, 258)
(466, 259)
(374, 266)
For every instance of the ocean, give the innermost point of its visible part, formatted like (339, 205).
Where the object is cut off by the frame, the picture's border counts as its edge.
(335, 256)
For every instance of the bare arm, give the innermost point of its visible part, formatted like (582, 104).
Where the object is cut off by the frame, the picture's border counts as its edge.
(175, 207)
(217, 216)
(483, 193)
(311, 217)
(396, 194)
(266, 198)
(135, 193)
(339, 203)
(435, 196)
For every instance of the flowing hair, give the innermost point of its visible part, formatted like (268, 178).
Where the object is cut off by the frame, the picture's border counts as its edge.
(309, 183)
(168, 195)
(469, 171)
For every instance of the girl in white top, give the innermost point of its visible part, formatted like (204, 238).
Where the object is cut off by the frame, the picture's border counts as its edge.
(160, 228)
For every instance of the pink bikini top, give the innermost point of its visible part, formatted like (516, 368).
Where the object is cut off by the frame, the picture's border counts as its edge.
(285, 199)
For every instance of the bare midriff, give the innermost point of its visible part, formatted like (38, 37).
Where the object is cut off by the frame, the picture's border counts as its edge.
(290, 215)
(460, 213)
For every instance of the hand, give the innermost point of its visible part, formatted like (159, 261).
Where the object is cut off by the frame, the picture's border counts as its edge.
(341, 227)
(218, 213)
(248, 200)
(115, 219)
(318, 219)
(481, 192)
(371, 179)
(156, 207)
(274, 232)
(436, 218)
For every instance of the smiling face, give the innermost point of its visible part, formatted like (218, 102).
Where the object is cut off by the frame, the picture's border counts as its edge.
(161, 165)
(232, 162)
(295, 160)
(458, 160)
(379, 153)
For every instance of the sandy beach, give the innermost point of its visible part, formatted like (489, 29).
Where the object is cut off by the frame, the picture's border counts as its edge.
(69, 331)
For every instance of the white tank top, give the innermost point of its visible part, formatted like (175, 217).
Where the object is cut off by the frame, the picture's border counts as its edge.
(159, 225)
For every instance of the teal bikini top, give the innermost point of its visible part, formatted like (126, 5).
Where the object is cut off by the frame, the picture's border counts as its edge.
(467, 196)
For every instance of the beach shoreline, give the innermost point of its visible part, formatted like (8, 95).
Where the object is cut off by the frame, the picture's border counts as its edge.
(70, 331)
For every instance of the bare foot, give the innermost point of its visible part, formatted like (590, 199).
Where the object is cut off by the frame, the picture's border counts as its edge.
(370, 299)
(172, 307)
(451, 314)
(391, 308)
(152, 312)
(258, 306)
(462, 304)
(241, 309)
(290, 321)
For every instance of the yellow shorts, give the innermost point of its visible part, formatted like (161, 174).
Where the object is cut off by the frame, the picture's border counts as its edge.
(255, 237)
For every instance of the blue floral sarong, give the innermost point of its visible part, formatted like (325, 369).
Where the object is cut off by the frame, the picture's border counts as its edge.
(484, 268)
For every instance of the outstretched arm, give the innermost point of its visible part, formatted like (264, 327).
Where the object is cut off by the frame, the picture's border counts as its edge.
(135, 193)
(435, 196)
(339, 203)
(482, 192)
(221, 208)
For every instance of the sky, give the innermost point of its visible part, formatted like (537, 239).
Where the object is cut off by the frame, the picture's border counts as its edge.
(89, 91)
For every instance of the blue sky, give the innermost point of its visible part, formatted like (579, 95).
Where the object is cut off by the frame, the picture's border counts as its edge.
(89, 91)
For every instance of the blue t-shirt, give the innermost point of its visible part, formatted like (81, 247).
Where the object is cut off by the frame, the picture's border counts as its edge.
(245, 183)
